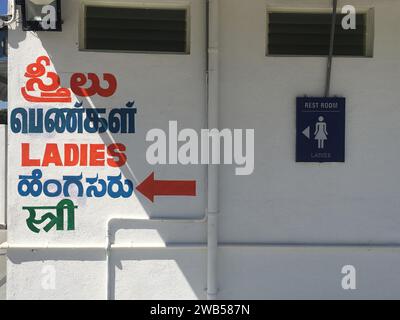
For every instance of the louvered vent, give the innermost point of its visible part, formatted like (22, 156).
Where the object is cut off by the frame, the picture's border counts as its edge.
(309, 34)
(133, 29)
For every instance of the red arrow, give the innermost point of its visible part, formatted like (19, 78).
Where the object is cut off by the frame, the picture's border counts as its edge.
(151, 188)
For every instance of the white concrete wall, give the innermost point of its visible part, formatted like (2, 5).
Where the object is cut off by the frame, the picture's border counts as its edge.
(3, 277)
(355, 202)
(283, 202)
(3, 209)
(3, 171)
(3, 266)
(165, 87)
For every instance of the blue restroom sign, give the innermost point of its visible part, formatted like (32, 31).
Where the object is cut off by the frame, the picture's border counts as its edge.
(320, 129)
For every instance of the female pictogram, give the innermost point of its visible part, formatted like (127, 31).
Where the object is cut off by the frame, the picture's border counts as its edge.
(321, 132)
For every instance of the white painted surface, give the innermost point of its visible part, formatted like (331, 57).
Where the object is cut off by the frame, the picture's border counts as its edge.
(3, 266)
(3, 176)
(308, 273)
(3, 209)
(282, 202)
(3, 277)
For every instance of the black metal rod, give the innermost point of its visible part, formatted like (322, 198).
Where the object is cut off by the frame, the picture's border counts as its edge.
(331, 45)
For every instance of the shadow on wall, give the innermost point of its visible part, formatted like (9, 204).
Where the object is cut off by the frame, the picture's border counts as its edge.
(148, 273)
(136, 168)
(3, 277)
(3, 116)
(134, 274)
